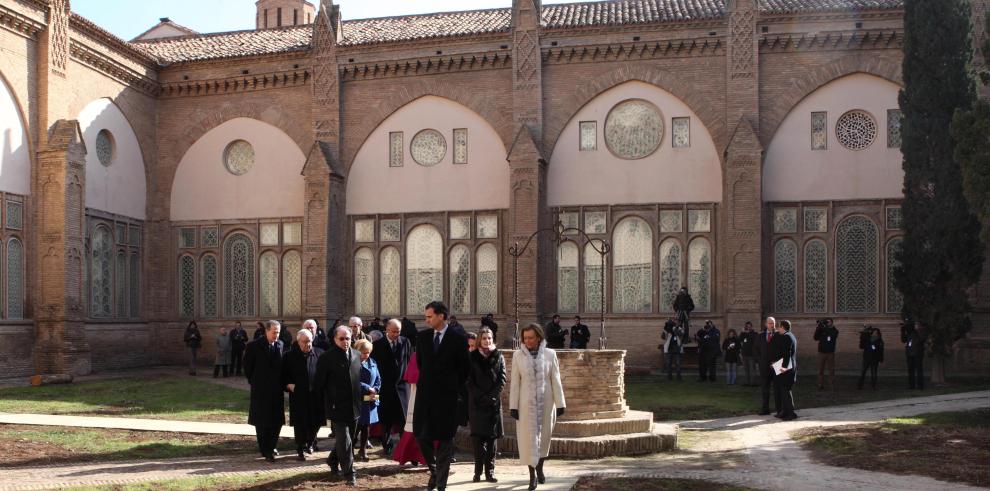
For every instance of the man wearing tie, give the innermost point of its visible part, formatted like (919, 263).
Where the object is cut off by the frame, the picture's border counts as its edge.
(263, 368)
(761, 349)
(392, 354)
(338, 375)
(442, 357)
(784, 347)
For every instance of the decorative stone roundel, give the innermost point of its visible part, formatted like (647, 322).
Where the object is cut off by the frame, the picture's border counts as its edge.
(238, 157)
(633, 129)
(856, 130)
(104, 147)
(428, 147)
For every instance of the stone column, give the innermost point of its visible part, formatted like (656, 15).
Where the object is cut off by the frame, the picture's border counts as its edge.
(741, 218)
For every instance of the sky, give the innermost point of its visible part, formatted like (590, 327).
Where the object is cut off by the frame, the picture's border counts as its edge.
(129, 18)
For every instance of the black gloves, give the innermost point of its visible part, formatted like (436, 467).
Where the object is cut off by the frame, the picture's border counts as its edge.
(514, 413)
(560, 412)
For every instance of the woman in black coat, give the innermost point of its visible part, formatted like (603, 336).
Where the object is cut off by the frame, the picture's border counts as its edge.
(486, 379)
(306, 408)
(871, 342)
(193, 339)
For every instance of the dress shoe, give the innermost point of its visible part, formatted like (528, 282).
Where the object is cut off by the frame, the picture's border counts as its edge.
(270, 458)
(790, 417)
(275, 452)
(308, 450)
(432, 484)
(301, 456)
(352, 481)
(490, 476)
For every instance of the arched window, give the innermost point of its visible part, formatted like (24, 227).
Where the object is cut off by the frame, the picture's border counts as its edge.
(567, 277)
(135, 287)
(238, 272)
(389, 270)
(292, 284)
(487, 278)
(101, 294)
(364, 281)
(895, 299)
(210, 273)
(15, 279)
(670, 273)
(269, 284)
(856, 265)
(187, 286)
(424, 267)
(785, 276)
(632, 274)
(460, 280)
(815, 279)
(120, 284)
(593, 278)
(700, 274)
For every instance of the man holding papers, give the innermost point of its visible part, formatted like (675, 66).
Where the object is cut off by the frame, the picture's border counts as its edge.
(783, 349)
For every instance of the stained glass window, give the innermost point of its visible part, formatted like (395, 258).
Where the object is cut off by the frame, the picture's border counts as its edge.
(187, 286)
(292, 284)
(895, 299)
(487, 278)
(856, 265)
(269, 285)
(391, 230)
(670, 273)
(699, 221)
(894, 218)
(120, 284)
(238, 157)
(135, 287)
(187, 238)
(395, 149)
(460, 280)
(856, 130)
(210, 236)
(700, 274)
(784, 220)
(633, 129)
(122, 233)
(389, 270)
(461, 146)
(569, 220)
(785, 276)
(595, 222)
(588, 136)
(238, 276)
(428, 148)
(104, 148)
(364, 281)
(460, 228)
(424, 267)
(815, 220)
(292, 233)
(567, 277)
(671, 221)
(815, 277)
(101, 294)
(211, 274)
(681, 130)
(269, 234)
(487, 227)
(894, 120)
(819, 130)
(135, 233)
(15, 215)
(364, 231)
(15, 279)
(593, 280)
(632, 274)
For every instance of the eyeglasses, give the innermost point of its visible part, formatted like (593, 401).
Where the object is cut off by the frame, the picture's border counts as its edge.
(344, 339)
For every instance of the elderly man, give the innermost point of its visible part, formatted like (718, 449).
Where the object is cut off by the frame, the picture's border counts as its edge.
(263, 368)
(338, 376)
(392, 354)
(356, 325)
(306, 413)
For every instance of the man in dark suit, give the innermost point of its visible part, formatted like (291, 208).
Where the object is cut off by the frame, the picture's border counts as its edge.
(306, 409)
(238, 340)
(761, 350)
(338, 375)
(263, 368)
(784, 347)
(392, 354)
(442, 358)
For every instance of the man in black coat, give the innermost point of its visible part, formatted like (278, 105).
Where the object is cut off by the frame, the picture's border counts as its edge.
(556, 334)
(827, 336)
(580, 334)
(338, 375)
(238, 340)
(392, 354)
(709, 347)
(306, 409)
(442, 357)
(784, 347)
(684, 305)
(263, 368)
(914, 339)
(761, 350)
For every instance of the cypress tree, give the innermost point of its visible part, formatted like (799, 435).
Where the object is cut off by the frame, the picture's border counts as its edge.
(941, 256)
(971, 130)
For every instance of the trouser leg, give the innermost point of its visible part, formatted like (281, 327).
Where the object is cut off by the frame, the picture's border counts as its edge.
(677, 363)
(344, 445)
(216, 371)
(862, 375)
(919, 376)
(223, 368)
(765, 392)
(192, 361)
(479, 454)
(702, 367)
(490, 450)
(777, 394)
(445, 451)
(911, 362)
(429, 454)
(262, 434)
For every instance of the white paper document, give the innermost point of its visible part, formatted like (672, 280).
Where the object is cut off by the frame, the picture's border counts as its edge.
(778, 367)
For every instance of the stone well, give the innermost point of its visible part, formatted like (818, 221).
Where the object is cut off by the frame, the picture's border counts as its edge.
(597, 423)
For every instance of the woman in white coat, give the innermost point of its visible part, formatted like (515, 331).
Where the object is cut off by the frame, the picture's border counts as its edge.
(536, 400)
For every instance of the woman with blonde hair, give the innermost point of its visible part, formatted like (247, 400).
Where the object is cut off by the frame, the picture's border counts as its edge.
(536, 400)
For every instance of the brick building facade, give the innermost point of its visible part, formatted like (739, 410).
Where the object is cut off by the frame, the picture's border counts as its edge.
(747, 149)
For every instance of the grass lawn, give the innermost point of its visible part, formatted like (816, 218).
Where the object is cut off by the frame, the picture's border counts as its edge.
(45, 445)
(391, 478)
(623, 484)
(673, 401)
(947, 446)
(163, 397)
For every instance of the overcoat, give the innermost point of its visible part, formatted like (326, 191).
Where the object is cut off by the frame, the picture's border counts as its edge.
(536, 392)
(263, 369)
(486, 379)
(441, 375)
(306, 401)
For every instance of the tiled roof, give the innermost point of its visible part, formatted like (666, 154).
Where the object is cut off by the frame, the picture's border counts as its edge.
(474, 22)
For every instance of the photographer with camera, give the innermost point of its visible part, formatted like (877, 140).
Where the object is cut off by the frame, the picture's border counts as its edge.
(673, 347)
(826, 334)
(871, 342)
(914, 347)
(709, 347)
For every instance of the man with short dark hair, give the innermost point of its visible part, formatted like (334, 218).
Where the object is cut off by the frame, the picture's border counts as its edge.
(238, 340)
(442, 358)
(784, 348)
(556, 334)
(457, 326)
(709, 347)
(338, 375)
(263, 368)
(826, 334)
(580, 334)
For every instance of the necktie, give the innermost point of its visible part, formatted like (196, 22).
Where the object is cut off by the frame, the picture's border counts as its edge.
(436, 342)
(769, 336)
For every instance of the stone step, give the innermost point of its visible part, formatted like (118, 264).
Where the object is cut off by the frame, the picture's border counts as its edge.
(662, 438)
(633, 422)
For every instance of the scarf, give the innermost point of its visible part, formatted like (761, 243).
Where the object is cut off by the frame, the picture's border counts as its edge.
(485, 351)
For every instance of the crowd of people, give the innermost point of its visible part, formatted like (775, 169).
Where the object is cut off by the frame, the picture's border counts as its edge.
(410, 389)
